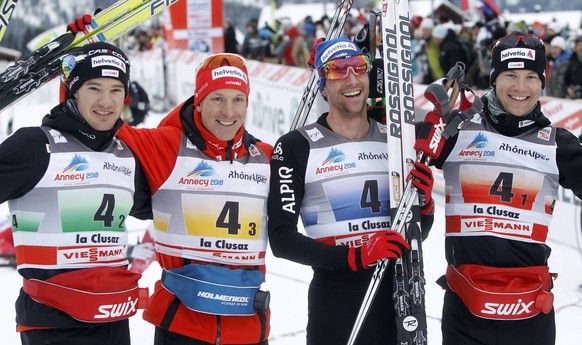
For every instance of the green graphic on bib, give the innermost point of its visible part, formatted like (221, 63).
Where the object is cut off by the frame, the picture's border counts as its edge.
(98, 209)
(26, 221)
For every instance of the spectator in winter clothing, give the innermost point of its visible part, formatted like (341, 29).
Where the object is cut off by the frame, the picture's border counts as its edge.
(300, 51)
(254, 45)
(295, 52)
(70, 184)
(209, 180)
(450, 49)
(329, 202)
(488, 34)
(573, 77)
(502, 172)
(427, 54)
(560, 56)
(230, 43)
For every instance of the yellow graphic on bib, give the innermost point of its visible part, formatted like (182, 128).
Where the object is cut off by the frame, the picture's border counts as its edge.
(161, 221)
(238, 217)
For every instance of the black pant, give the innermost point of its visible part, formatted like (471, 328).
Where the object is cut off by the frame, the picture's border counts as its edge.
(164, 337)
(460, 327)
(334, 305)
(113, 333)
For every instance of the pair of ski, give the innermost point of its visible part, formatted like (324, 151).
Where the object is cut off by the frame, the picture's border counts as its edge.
(7, 8)
(395, 84)
(43, 64)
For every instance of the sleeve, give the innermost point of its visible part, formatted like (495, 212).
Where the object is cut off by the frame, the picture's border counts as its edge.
(142, 200)
(447, 148)
(24, 158)
(288, 165)
(449, 145)
(156, 149)
(568, 75)
(569, 161)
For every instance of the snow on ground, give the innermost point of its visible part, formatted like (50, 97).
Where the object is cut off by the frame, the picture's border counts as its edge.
(288, 282)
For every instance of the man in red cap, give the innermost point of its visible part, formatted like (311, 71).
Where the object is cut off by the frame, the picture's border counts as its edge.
(209, 180)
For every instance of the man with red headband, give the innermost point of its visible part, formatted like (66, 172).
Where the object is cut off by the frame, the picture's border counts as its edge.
(209, 180)
(502, 172)
(334, 174)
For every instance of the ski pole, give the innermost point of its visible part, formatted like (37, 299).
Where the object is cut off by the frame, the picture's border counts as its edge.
(410, 193)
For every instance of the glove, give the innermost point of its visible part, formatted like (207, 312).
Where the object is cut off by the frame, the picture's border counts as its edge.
(429, 137)
(383, 245)
(141, 251)
(80, 24)
(423, 180)
(311, 61)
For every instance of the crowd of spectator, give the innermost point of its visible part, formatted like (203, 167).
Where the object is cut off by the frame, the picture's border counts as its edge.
(438, 43)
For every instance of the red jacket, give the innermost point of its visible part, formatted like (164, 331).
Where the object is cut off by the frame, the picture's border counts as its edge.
(157, 150)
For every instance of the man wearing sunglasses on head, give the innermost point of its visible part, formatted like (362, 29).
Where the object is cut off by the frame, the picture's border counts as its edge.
(70, 184)
(502, 172)
(209, 180)
(334, 174)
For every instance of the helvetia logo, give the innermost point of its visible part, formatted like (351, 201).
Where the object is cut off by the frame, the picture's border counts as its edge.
(203, 169)
(334, 156)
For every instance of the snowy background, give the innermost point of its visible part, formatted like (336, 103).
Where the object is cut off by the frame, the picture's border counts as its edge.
(288, 282)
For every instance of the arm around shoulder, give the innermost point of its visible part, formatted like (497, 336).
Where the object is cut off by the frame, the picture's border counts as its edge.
(569, 160)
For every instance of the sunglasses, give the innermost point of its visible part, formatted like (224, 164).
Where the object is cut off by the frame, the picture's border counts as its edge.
(339, 68)
(223, 59)
(512, 41)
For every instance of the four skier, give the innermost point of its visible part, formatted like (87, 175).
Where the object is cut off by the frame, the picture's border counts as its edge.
(210, 188)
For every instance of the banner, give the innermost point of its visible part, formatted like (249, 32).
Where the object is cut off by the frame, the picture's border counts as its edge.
(195, 25)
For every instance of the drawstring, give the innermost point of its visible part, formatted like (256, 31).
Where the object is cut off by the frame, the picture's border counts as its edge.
(228, 151)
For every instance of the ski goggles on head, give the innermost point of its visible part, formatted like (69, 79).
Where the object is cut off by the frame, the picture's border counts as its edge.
(223, 59)
(339, 68)
(512, 41)
(68, 64)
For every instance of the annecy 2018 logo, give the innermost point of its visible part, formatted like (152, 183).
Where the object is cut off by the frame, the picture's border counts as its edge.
(203, 169)
(334, 156)
(474, 149)
(197, 176)
(72, 172)
(330, 163)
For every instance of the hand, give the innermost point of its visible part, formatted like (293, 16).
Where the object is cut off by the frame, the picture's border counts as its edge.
(311, 61)
(80, 24)
(142, 251)
(383, 245)
(423, 180)
(429, 139)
